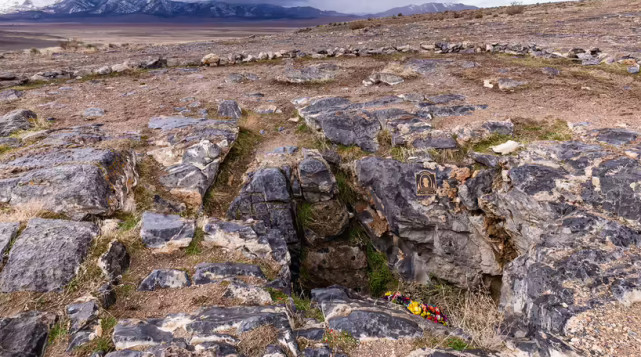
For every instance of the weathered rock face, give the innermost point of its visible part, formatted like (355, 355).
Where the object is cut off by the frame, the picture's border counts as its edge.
(435, 236)
(266, 197)
(336, 264)
(346, 123)
(229, 109)
(85, 325)
(191, 151)
(210, 329)
(317, 73)
(58, 246)
(166, 232)
(165, 279)
(115, 261)
(25, 334)
(316, 179)
(367, 319)
(19, 119)
(10, 95)
(74, 182)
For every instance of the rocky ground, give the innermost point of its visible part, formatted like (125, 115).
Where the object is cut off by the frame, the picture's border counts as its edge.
(257, 197)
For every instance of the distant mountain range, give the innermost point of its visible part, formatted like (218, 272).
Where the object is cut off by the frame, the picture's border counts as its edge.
(70, 9)
(425, 8)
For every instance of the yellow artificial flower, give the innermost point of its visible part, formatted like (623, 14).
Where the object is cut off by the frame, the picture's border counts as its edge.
(415, 308)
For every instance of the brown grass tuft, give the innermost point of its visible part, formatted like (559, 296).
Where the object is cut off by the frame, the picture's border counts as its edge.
(254, 342)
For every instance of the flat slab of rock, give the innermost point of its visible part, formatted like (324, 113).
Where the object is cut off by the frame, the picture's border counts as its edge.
(191, 150)
(25, 334)
(229, 109)
(317, 73)
(165, 279)
(166, 232)
(367, 319)
(75, 182)
(10, 95)
(203, 329)
(46, 256)
(85, 324)
(207, 273)
(19, 119)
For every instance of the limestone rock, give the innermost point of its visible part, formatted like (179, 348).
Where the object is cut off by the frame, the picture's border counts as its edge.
(25, 334)
(19, 119)
(211, 60)
(58, 246)
(93, 113)
(115, 261)
(384, 78)
(266, 197)
(229, 109)
(166, 232)
(316, 179)
(507, 84)
(342, 264)
(10, 95)
(165, 279)
(317, 73)
(191, 151)
(76, 182)
(206, 273)
(85, 325)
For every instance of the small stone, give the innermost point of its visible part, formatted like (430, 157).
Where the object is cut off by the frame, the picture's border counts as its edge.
(510, 84)
(229, 109)
(634, 69)
(210, 60)
(115, 261)
(165, 279)
(93, 113)
(166, 232)
(506, 148)
(488, 84)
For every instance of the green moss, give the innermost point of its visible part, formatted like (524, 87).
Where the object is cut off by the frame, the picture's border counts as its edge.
(486, 144)
(529, 130)
(194, 247)
(456, 343)
(58, 332)
(4, 149)
(350, 153)
(381, 278)
(399, 154)
(304, 214)
(346, 192)
(302, 128)
(277, 295)
(129, 221)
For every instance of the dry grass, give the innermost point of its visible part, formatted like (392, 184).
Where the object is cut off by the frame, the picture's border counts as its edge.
(476, 313)
(23, 213)
(253, 343)
(400, 70)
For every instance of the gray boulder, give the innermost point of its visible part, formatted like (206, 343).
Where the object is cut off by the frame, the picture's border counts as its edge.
(384, 78)
(316, 178)
(191, 151)
(165, 279)
(74, 182)
(115, 261)
(508, 84)
(332, 118)
(207, 273)
(85, 325)
(93, 113)
(266, 197)
(205, 330)
(58, 247)
(166, 232)
(19, 119)
(10, 95)
(25, 334)
(229, 109)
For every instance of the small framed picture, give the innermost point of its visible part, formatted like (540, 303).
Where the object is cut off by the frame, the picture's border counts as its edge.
(425, 183)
